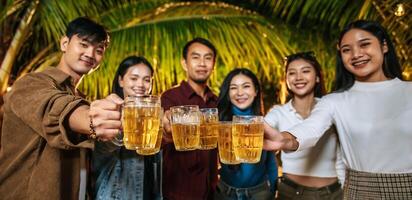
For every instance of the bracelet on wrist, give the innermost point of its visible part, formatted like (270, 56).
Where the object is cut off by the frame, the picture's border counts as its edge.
(92, 131)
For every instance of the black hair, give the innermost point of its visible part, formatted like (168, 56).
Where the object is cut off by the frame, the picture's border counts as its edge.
(122, 69)
(86, 28)
(310, 58)
(225, 105)
(201, 41)
(391, 67)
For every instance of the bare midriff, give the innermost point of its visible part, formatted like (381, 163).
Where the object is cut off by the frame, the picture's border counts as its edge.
(311, 181)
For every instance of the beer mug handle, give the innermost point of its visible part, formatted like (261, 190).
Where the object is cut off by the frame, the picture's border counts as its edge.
(118, 140)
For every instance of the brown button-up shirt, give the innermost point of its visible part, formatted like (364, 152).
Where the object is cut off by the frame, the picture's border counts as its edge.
(39, 155)
(188, 174)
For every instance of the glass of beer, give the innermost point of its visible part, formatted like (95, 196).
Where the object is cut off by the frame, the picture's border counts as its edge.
(156, 148)
(141, 121)
(209, 128)
(247, 135)
(185, 127)
(225, 144)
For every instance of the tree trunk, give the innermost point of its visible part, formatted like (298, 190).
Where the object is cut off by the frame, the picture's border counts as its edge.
(16, 44)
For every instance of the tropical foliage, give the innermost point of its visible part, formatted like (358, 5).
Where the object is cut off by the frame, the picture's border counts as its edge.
(256, 34)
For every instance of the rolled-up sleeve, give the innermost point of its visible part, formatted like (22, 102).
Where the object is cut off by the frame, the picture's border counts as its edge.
(45, 108)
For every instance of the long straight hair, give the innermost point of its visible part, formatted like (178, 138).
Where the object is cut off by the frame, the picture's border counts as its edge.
(225, 105)
(391, 67)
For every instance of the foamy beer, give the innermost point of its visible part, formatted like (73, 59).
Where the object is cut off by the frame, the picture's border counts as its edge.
(247, 135)
(156, 148)
(208, 128)
(141, 121)
(185, 127)
(225, 144)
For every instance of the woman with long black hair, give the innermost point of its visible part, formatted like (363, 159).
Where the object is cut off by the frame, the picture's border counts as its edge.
(371, 109)
(240, 94)
(120, 173)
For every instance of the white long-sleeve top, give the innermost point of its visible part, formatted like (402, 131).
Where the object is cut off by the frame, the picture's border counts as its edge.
(374, 123)
(322, 160)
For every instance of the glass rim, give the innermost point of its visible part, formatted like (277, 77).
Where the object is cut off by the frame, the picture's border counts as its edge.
(245, 116)
(201, 109)
(184, 106)
(247, 119)
(143, 96)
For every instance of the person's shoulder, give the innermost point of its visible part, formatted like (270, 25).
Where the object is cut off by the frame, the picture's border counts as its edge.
(407, 87)
(172, 91)
(31, 80)
(333, 96)
(276, 111)
(277, 108)
(408, 84)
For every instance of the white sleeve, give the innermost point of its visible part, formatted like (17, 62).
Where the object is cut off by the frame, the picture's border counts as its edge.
(311, 129)
(272, 117)
(340, 166)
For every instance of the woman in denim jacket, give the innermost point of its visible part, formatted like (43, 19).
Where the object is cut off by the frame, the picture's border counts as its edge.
(120, 173)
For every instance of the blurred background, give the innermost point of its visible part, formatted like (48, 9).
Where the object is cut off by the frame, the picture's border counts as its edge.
(256, 34)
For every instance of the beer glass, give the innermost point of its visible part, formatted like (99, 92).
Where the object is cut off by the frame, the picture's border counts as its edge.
(225, 144)
(141, 121)
(156, 148)
(208, 128)
(248, 138)
(185, 127)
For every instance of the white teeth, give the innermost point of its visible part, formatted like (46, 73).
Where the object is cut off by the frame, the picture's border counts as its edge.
(300, 85)
(360, 63)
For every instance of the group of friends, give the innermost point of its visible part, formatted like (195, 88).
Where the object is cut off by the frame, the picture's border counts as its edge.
(353, 143)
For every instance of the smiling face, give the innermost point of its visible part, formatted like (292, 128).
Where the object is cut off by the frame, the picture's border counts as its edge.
(363, 55)
(242, 92)
(80, 56)
(199, 63)
(136, 81)
(301, 78)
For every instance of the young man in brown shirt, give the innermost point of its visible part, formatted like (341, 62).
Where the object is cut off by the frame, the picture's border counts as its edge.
(191, 174)
(48, 124)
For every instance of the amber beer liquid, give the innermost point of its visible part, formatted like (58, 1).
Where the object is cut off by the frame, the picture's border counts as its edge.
(185, 127)
(225, 144)
(208, 128)
(140, 126)
(248, 141)
(208, 135)
(156, 148)
(186, 136)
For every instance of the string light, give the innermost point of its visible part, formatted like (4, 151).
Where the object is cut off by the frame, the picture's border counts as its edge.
(400, 10)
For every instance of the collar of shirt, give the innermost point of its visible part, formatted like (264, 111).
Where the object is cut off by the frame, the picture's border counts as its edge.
(58, 75)
(189, 92)
(291, 109)
(64, 80)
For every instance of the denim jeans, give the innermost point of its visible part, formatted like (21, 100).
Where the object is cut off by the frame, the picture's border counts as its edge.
(259, 192)
(122, 174)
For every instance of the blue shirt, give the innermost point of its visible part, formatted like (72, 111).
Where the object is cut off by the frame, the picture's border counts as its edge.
(247, 175)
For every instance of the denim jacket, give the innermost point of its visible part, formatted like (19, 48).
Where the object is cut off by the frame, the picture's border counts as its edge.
(123, 174)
